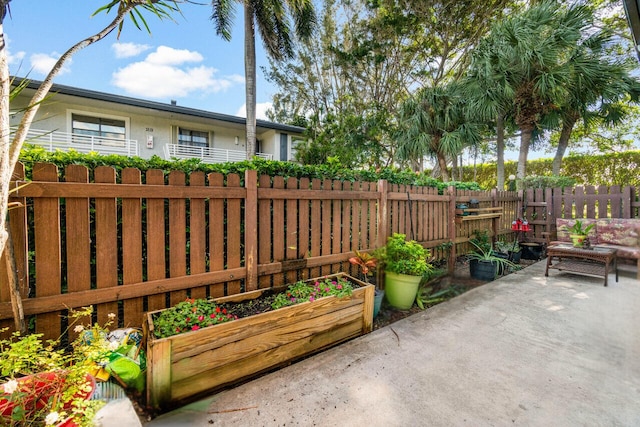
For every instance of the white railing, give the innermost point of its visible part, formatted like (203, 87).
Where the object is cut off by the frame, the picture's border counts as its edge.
(208, 154)
(54, 140)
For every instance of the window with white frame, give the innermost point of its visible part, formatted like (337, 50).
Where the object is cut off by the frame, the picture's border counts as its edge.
(193, 138)
(104, 128)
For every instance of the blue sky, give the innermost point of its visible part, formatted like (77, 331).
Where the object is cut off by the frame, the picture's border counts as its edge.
(182, 60)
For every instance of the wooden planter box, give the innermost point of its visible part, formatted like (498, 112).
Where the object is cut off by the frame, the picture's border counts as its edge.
(185, 366)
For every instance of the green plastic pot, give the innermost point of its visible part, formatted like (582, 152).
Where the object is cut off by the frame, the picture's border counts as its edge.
(401, 289)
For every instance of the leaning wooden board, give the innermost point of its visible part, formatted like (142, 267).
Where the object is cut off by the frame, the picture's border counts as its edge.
(185, 366)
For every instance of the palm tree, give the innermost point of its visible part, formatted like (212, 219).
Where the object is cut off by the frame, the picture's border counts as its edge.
(599, 90)
(435, 122)
(488, 96)
(532, 52)
(272, 19)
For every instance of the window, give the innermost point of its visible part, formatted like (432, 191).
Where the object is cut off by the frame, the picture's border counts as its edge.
(101, 127)
(193, 138)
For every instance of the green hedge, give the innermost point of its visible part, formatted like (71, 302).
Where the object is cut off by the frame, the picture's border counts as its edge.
(605, 169)
(333, 170)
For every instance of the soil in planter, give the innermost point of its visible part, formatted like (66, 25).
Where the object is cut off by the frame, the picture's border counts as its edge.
(251, 307)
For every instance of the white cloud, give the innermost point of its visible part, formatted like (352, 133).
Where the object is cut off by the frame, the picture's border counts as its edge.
(261, 110)
(42, 63)
(163, 74)
(165, 55)
(128, 50)
(13, 58)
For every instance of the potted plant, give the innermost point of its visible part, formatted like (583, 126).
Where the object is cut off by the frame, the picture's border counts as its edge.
(42, 383)
(404, 263)
(367, 264)
(511, 249)
(578, 233)
(484, 264)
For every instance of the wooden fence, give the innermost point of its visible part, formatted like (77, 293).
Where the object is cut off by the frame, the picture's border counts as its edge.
(543, 206)
(141, 242)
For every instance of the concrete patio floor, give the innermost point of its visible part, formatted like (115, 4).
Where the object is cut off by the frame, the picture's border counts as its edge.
(524, 350)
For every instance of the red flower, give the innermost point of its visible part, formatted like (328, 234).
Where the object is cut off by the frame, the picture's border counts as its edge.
(200, 318)
(217, 309)
(195, 327)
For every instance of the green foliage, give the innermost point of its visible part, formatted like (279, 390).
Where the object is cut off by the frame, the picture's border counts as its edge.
(403, 256)
(189, 315)
(302, 291)
(506, 247)
(579, 229)
(428, 296)
(481, 241)
(618, 168)
(333, 169)
(47, 384)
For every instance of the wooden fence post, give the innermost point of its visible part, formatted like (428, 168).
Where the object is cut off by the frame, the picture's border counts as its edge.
(383, 209)
(451, 191)
(251, 229)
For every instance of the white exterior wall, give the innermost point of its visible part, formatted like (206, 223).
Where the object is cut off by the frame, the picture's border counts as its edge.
(55, 115)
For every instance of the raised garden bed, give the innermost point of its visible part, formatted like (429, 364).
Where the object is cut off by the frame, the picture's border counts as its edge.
(183, 367)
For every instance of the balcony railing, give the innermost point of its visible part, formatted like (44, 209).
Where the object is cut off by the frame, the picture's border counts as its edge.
(54, 140)
(208, 154)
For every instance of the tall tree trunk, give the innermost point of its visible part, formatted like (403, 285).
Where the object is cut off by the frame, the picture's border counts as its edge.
(6, 170)
(250, 77)
(525, 141)
(500, 150)
(442, 162)
(563, 143)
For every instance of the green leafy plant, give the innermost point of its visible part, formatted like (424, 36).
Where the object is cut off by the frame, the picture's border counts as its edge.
(427, 296)
(482, 254)
(44, 384)
(301, 291)
(580, 230)
(505, 247)
(189, 315)
(403, 256)
(481, 241)
(366, 262)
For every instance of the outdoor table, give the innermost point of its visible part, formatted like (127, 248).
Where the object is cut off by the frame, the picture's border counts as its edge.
(595, 261)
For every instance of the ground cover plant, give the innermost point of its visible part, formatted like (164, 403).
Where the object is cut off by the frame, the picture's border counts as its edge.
(194, 314)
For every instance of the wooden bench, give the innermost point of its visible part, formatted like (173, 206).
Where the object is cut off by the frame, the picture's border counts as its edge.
(622, 234)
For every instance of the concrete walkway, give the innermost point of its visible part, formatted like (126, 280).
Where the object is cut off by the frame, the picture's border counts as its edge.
(524, 350)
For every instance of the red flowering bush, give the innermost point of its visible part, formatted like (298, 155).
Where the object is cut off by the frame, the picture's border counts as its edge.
(189, 315)
(304, 291)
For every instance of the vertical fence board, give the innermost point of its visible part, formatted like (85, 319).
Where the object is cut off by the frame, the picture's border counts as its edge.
(325, 244)
(292, 230)
(347, 245)
(336, 219)
(47, 245)
(316, 226)
(603, 201)
(106, 224)
(251, 230)
(234, 233)
(357, 229)
(177, 235)
(279, 240)
(579, 202)
(216, 233)
(132, 248)
(616, 201)
(264, 230)
(156, 240)
(590, 192)
(197, 234)
(78, 237)
(304, 221)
